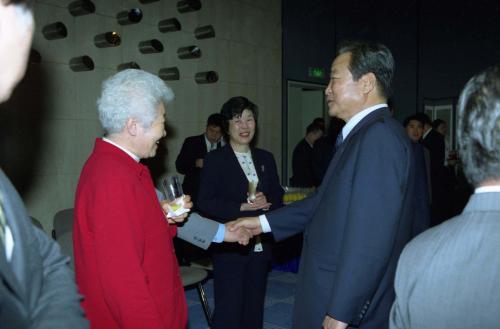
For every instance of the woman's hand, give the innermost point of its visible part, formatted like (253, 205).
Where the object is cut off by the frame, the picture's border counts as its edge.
(260, 202)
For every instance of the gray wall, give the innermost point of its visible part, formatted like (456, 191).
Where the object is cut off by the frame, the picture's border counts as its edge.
(48, 129)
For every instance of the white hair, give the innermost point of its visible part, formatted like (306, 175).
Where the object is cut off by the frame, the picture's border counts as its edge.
(131, 94)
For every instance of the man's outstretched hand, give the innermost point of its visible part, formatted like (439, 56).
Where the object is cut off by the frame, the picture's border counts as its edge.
(252, 224)
(240, 235)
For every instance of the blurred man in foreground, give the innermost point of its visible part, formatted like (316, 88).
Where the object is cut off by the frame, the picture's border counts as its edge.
(447, 277)
(37, 289)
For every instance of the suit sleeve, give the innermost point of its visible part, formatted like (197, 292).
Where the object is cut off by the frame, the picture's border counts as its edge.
(198, 231)
(211, 199)
(292, 219)
(58, 306)
(378, 187)
(119, 246)
(185, 162)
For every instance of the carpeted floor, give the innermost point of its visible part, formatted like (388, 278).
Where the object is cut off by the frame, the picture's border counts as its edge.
(278, 307)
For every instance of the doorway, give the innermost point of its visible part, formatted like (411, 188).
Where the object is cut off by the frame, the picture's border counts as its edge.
(304, 102)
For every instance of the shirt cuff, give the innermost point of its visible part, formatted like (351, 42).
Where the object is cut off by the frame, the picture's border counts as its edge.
(264, 224)
(219, 236)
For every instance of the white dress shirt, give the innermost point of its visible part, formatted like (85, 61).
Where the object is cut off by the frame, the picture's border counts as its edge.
(9, 243)
(132, 155)
(486, 189)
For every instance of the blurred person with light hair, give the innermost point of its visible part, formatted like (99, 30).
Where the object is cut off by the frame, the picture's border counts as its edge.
(447, 277)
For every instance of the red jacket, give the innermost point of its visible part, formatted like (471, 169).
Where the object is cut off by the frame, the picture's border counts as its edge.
(124, 257)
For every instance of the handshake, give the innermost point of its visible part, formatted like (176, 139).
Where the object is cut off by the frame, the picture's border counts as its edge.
(242, 230)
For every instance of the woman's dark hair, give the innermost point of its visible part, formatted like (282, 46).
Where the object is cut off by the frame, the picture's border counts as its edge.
(233, 108)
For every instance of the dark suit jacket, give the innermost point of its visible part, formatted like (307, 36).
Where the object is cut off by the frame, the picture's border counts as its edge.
(224, 188)
(37, 289)
(193, 148)
(434, 142)
(302, 162)
(355, 226)
(323, 151)
(422, 198)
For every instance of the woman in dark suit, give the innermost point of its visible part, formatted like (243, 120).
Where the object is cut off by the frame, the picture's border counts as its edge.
(229, 173)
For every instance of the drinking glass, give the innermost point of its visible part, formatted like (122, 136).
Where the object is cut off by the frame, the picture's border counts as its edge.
(172, 189)
(252, 190)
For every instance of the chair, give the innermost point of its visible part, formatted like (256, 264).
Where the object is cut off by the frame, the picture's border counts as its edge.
(63, 232)
(36, 222)
(203, 263)
(194, 276)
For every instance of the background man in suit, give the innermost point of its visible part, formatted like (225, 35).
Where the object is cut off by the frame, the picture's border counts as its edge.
(434, 142)
(189, 162)
(37, 289)
(302, 157)
(447, 277)
(361, 216)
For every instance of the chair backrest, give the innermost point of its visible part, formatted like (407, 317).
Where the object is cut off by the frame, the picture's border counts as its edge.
(36, 222)
(63, 222)
(191, 275)
(63, 232)
(65, 240)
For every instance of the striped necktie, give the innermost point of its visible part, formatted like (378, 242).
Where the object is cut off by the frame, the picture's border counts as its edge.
(3, 221)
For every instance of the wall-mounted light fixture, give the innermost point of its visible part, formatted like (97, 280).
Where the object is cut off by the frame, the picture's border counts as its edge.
(128, 65)
(81, 7)
(206, 77)
(127, 17)
(169, 25)
(81, 63)
(150, 46)
(189, 52)
(186, 6)
(169, 73)
(204, 32)
(55, 31)
(108, 39)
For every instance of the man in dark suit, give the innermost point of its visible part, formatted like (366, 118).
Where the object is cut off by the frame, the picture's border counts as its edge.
(447, 277)
(434, 142)
(189, 162)
(302, 157)
(37, 289)
(360, 218)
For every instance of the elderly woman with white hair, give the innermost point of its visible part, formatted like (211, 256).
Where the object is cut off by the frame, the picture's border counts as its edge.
(124, 258)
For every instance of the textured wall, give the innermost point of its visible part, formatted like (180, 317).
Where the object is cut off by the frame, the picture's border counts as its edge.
(48, 129)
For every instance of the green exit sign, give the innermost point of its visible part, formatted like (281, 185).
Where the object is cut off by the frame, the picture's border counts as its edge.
(316, 72)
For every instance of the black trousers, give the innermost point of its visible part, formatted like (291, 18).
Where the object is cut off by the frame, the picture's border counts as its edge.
(239, 289)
